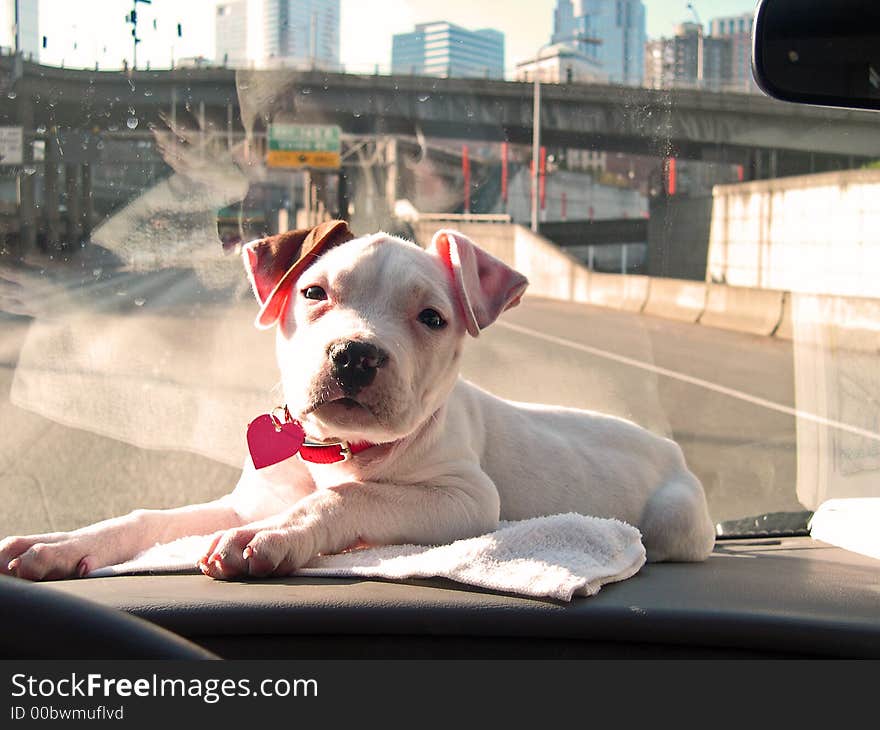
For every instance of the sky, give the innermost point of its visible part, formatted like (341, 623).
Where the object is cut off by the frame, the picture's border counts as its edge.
(81, 32)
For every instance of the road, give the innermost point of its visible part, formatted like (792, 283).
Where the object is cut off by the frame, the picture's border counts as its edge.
(136, 395)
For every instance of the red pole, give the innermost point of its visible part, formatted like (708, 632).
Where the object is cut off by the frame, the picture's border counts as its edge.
(542, 178)
(531, 179)
(466, 171)
(671, 177)
(504, 154)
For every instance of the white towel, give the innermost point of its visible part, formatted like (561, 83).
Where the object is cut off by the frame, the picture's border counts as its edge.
(559, 556)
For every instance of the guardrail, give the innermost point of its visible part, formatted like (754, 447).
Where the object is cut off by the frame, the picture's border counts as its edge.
(832, 321)
(453, 218)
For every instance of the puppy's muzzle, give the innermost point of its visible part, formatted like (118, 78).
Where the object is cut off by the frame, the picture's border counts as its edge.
(354, 364)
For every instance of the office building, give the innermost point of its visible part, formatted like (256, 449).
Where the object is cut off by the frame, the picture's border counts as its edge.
(277, 33)
(562, 64)
(611, 32)
(448, 50)
(29, 29)
(720, 61)
(688, 60)
(738, 31)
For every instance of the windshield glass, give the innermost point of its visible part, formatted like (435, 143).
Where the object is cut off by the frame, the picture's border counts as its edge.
(703, 260)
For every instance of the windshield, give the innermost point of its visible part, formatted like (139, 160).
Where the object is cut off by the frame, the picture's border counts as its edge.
(702, 259)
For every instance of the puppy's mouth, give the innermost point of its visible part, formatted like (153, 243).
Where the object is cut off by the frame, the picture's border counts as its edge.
(329, 404)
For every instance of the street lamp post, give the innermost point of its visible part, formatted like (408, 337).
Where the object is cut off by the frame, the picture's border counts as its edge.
(536, 135)
(536, 119)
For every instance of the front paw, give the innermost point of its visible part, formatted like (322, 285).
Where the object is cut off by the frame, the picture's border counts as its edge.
(45, 557)
(258, 552)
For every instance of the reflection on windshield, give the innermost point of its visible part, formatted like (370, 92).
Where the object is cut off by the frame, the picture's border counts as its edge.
(688, 269)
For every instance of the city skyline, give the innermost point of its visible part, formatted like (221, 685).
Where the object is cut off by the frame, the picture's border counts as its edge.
(109, 42)
(447, 49)
(277, 32)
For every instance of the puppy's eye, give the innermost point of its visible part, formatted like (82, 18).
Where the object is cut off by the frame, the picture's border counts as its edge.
(432, 319)
(314, 292)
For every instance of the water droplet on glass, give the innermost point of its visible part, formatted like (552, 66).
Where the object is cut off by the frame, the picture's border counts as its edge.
(148, 93)
(424, 98)
(29, 170)
(11, 94)
(97, 272)
(305, 91)
(357, 115)
(41, 129)
(131, 122)
(113, 128)
(140, 302)
(121, 293)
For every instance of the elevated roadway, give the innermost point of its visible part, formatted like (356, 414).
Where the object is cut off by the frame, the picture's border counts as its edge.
(768, 136)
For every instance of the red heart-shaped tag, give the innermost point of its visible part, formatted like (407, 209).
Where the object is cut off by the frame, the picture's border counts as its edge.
(269, 445)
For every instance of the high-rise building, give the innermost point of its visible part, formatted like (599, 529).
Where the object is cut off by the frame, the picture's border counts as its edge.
(738, 29)
(688, 59)
(720, 61)
(268, 33)
(446, 49)
(610, 31)
(28, 22)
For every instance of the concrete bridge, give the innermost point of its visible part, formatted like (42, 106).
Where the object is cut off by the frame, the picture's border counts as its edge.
(770, 138)
(75, 112)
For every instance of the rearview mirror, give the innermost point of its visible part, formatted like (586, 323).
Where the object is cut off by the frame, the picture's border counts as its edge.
(824, 52)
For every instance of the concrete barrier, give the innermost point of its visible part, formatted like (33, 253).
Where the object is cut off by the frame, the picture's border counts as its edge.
(848, 323)
(580, 285)
(743, 309)
(496, 238)
(835, 322)
(785, 329)
(676, 299)
(551, 272)
(619, 291)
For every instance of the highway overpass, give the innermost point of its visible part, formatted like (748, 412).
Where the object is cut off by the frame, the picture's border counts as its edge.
(770, 138)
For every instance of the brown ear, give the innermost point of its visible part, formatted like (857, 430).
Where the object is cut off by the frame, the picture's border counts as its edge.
(273, 264)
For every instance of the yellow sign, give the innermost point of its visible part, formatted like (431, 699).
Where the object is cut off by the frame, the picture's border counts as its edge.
(290, 158)
(304, 145)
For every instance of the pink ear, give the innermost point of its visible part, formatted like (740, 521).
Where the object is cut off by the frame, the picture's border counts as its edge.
(483, 285)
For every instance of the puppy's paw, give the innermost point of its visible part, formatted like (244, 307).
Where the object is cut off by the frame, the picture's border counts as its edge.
(45, 557)
(258, 552)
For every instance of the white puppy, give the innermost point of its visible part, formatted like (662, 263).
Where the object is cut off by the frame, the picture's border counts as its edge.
(369, 337)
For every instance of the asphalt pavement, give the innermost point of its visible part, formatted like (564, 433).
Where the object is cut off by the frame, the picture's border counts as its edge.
(137, 395)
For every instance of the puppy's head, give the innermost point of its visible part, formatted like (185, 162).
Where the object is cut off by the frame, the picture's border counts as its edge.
(370, 329)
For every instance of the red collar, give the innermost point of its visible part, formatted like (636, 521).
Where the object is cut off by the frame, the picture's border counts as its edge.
(272, 438)
(316, 452)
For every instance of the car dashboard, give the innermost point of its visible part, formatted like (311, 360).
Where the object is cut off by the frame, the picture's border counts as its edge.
(753, 598)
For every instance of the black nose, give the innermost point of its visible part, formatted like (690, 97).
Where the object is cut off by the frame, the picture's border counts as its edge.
(355, 364)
